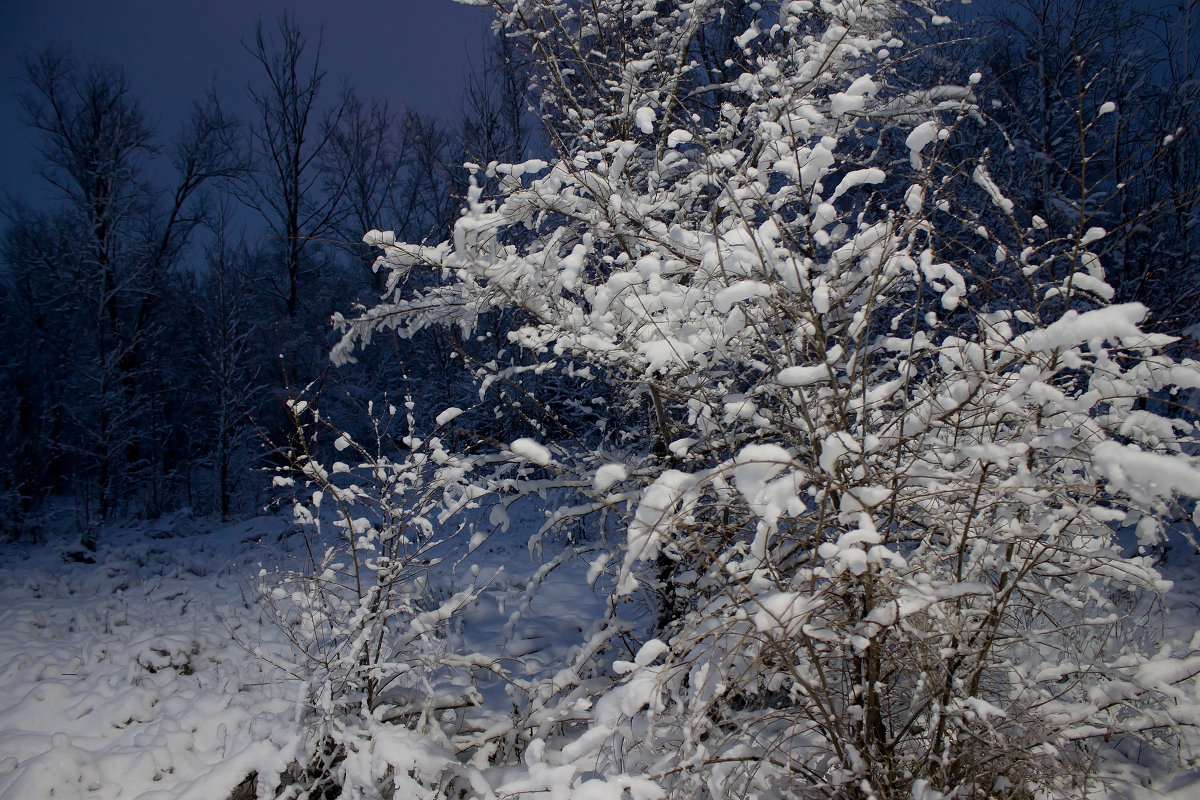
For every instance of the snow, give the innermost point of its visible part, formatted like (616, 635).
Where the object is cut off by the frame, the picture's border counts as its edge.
(645, 118)
(1114, 323)
(148, 674)
(985, 182)
(858, 177)
(919, 138)
(678, 137)
(531, 451)
(658, 503)
(132, 677)
(855, 97)
(783, 613)
(803, 376)
(609, 475)
(828, 486)
(739, 293)
(1145, 475)
(748, 36)
(844, 102)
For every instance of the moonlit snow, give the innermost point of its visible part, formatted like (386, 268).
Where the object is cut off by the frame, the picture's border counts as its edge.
(150, 674)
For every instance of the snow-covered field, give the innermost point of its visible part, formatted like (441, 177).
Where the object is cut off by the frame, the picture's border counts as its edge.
(132, 677)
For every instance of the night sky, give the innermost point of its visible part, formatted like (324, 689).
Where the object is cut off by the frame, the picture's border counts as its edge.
(413, 53)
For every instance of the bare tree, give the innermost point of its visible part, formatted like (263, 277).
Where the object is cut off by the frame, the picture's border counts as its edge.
(103, 258)
(290, 185)
(34, 303)
(365, 164)
(493, 124)
(229, 362)
(95, 144)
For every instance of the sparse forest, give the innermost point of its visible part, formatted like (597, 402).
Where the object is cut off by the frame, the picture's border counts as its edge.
(831, 365)
(159, 314)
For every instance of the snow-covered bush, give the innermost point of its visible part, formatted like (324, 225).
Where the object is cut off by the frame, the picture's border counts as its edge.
(387, 699)
(893, 428)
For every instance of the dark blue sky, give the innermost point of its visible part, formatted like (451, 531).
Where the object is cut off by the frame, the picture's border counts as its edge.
(411, 52)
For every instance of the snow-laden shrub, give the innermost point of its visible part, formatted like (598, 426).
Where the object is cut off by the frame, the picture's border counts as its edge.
(388, 701)
(893, 422)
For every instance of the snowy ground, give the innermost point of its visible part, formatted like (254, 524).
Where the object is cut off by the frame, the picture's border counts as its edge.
(130, 677)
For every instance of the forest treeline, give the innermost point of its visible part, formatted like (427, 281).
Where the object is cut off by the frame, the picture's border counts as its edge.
(178, 289)
(155, 318)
